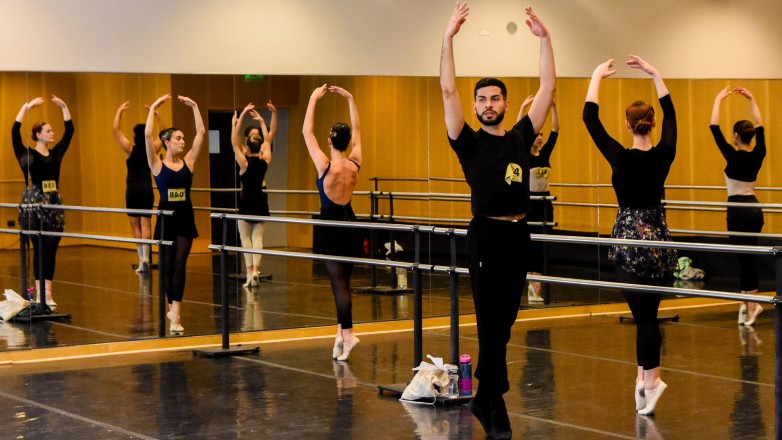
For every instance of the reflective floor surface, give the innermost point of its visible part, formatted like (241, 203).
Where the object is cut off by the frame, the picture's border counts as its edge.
(571, 377)
(109, 302)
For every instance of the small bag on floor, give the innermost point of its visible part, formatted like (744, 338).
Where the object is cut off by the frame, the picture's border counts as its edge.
(430, 381)
(12, 305)
(685, 271)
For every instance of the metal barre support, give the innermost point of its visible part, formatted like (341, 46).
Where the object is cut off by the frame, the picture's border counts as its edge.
(453, 287)
(757, 250)
(778, 351)
(225, 331)
(544, 278)
(100, 209)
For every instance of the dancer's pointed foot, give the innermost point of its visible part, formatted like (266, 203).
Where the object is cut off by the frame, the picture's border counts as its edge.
(481, 411)
(347, 347)
(640, 398)
(652, 397)
(742, 313)
(336, 352)
(754, 315)
(174, 327)
(500, 423)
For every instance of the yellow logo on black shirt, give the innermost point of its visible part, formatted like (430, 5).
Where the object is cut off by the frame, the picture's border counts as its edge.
(513, 174)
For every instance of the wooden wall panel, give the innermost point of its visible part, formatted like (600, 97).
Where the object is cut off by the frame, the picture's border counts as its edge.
(403, 136)
(13, 93)
(103, 168)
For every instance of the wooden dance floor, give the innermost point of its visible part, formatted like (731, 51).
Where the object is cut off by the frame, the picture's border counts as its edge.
(572, 369)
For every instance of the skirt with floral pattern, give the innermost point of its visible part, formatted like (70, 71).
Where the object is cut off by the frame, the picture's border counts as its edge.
(643, 224)
(50, 219)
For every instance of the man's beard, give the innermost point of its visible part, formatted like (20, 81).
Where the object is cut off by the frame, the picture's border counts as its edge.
(495, 121)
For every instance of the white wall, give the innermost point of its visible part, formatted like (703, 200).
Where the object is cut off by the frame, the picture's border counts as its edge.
(684, 39)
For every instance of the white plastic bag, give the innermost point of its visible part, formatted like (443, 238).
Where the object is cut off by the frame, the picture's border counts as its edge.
(12, 305)
(423, 384)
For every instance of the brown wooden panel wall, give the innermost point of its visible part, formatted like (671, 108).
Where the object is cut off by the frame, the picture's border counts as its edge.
(403, 136)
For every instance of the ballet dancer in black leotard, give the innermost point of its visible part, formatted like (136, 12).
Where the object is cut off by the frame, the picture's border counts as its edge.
(336, 182)
(741, 172)
(638, 178)
(253, 156)
(539, 210)
(138, 183)
(41, 168)
(174, 178)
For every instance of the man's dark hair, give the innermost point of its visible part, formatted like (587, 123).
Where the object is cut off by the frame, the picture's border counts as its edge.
(486, 82)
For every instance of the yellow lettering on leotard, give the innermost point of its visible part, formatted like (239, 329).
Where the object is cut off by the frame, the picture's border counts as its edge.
(176, 195)
(49, 186)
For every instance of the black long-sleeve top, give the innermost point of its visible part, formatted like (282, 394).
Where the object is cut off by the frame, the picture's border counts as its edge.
(742, 165)
(638, 176)
(35, 165)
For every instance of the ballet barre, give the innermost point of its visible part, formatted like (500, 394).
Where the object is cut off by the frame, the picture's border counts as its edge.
(226, 350)
(453, 271)
(607, 185)
(161, 244)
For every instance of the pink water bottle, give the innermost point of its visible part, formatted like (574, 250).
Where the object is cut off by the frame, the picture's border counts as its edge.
(465, 375)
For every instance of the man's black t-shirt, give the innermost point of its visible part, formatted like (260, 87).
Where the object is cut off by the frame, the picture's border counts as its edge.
(496, 168)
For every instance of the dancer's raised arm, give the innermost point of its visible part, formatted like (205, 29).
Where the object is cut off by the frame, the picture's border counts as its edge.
(16, 134)
(454, 114)
(637, 62)
(61, 147)
(308, 130)
(66, 114)
(669, 133)
(236, 138)
(355, 152)
(119, 136)
(268, 133)
(715, 110)
(603, 70)
(272, 125)
(198, 140)
(27, 106)
(524, 107)
(538, 112)
(753, 105)
(153, 160)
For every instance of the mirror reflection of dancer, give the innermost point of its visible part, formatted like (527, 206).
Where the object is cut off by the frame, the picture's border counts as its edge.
(639, 175)
(496, 165)
(741, 172)
(174, 177)
(138, 183)
(253, 163)
(336, 182)
(539, 210)
(41, 168)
